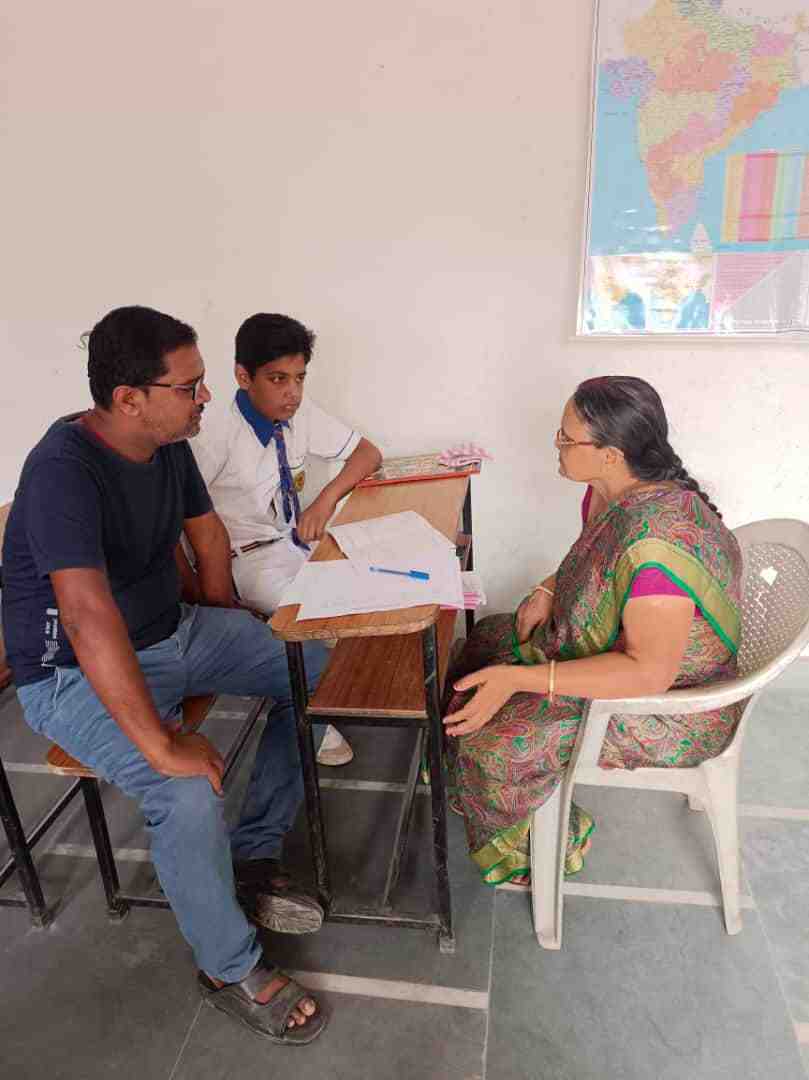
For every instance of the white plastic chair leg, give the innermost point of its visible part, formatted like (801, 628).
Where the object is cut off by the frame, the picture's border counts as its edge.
(547, 847)
(721, 776)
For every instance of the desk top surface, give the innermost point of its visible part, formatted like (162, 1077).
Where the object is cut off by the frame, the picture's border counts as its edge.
(439, 501)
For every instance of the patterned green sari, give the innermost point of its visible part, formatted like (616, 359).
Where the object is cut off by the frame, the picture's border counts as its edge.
(502, 773)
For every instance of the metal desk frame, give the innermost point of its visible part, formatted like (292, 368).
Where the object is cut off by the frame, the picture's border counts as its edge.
(431, 728)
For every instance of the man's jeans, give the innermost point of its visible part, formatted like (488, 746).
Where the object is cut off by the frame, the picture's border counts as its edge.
(214, 650)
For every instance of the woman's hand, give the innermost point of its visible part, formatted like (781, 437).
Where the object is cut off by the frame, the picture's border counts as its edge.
(534, 611)
(495, 686)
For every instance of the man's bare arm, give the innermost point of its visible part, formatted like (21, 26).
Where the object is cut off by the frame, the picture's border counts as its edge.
(189, 585)
(209, 540)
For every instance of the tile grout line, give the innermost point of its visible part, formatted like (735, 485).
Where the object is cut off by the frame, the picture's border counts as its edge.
(26, 767)
(777, 972)
(371, 785)
(746, 810)
(393, 989)
(87, 851)
(782, 813)
(485, 1057)
(641, 894)
(191, 1027)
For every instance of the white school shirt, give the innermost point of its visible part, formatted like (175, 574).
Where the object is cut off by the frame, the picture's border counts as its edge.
(243, 477)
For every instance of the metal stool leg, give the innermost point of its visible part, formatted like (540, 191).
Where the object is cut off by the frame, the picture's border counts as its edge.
(117, 907)
(311, 788)
(41, 914)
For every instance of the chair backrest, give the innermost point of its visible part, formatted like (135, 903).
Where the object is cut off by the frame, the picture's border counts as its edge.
(775, 600)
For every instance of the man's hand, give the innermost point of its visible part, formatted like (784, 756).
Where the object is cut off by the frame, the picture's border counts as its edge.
(534, 611)
(313, 521)
(495, 686)
(192, 755)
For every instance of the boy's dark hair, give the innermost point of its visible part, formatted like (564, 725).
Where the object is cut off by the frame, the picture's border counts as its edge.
(128, 348)
(264, 338)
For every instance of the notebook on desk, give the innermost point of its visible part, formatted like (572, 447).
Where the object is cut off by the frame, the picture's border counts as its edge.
(407, 470)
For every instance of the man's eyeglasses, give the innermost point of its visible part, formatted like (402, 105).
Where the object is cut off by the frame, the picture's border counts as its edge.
(184, 388)
(562, 440)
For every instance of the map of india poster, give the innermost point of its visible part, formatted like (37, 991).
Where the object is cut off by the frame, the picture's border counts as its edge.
(698, 215)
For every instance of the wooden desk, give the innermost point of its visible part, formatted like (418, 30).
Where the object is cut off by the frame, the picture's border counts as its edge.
(387, 669)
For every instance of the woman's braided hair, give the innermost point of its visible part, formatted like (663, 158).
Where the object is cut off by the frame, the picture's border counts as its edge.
(627, 413)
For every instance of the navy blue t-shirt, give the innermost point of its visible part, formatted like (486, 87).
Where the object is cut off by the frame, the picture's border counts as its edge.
(81, 504)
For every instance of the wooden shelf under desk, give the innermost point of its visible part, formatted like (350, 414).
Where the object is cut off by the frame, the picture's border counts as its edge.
(380, 676)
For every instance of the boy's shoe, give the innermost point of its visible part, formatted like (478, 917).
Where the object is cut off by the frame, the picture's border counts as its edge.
(272, 899)
(334, 750)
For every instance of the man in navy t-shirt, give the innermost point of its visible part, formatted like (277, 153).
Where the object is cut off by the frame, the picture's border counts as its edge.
(103, 653)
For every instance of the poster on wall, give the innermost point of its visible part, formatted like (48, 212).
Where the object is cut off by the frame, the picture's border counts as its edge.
(698, 195)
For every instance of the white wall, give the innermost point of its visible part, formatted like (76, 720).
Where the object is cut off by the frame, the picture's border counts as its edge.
(406, 178)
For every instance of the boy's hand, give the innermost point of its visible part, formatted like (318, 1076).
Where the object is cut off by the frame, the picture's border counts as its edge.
(313, 521)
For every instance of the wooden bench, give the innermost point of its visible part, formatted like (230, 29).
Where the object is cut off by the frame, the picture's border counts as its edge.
(20, 843)
(195, 710)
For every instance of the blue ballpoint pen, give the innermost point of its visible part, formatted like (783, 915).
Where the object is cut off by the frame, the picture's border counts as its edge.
(419, 575)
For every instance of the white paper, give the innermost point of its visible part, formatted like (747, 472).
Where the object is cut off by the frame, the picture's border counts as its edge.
(402, 542)
(349, 587)
(399, 537)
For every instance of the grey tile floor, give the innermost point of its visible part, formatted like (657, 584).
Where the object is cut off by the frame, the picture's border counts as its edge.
(647, 985)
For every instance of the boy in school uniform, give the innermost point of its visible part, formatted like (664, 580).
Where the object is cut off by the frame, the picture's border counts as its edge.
(253, 460)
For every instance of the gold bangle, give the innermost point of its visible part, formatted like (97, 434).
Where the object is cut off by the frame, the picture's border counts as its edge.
(542, 588)
(551, 682)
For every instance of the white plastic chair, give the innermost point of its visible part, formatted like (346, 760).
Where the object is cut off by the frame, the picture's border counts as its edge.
(775, 630)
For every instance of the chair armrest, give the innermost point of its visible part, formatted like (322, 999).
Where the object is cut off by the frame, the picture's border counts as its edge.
(670, 703)
(691, 700)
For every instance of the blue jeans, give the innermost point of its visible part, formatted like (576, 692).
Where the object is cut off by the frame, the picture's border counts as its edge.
(213, 650)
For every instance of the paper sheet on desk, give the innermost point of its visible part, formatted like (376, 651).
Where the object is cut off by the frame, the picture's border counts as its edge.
(403, 537)
(348, 587)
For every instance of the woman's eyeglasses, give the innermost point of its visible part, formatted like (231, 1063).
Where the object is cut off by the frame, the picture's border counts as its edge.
(562, 440)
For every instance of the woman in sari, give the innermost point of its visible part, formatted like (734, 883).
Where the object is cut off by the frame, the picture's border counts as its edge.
(646, 599)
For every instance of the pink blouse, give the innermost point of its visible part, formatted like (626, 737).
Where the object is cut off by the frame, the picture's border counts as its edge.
(648, 582)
